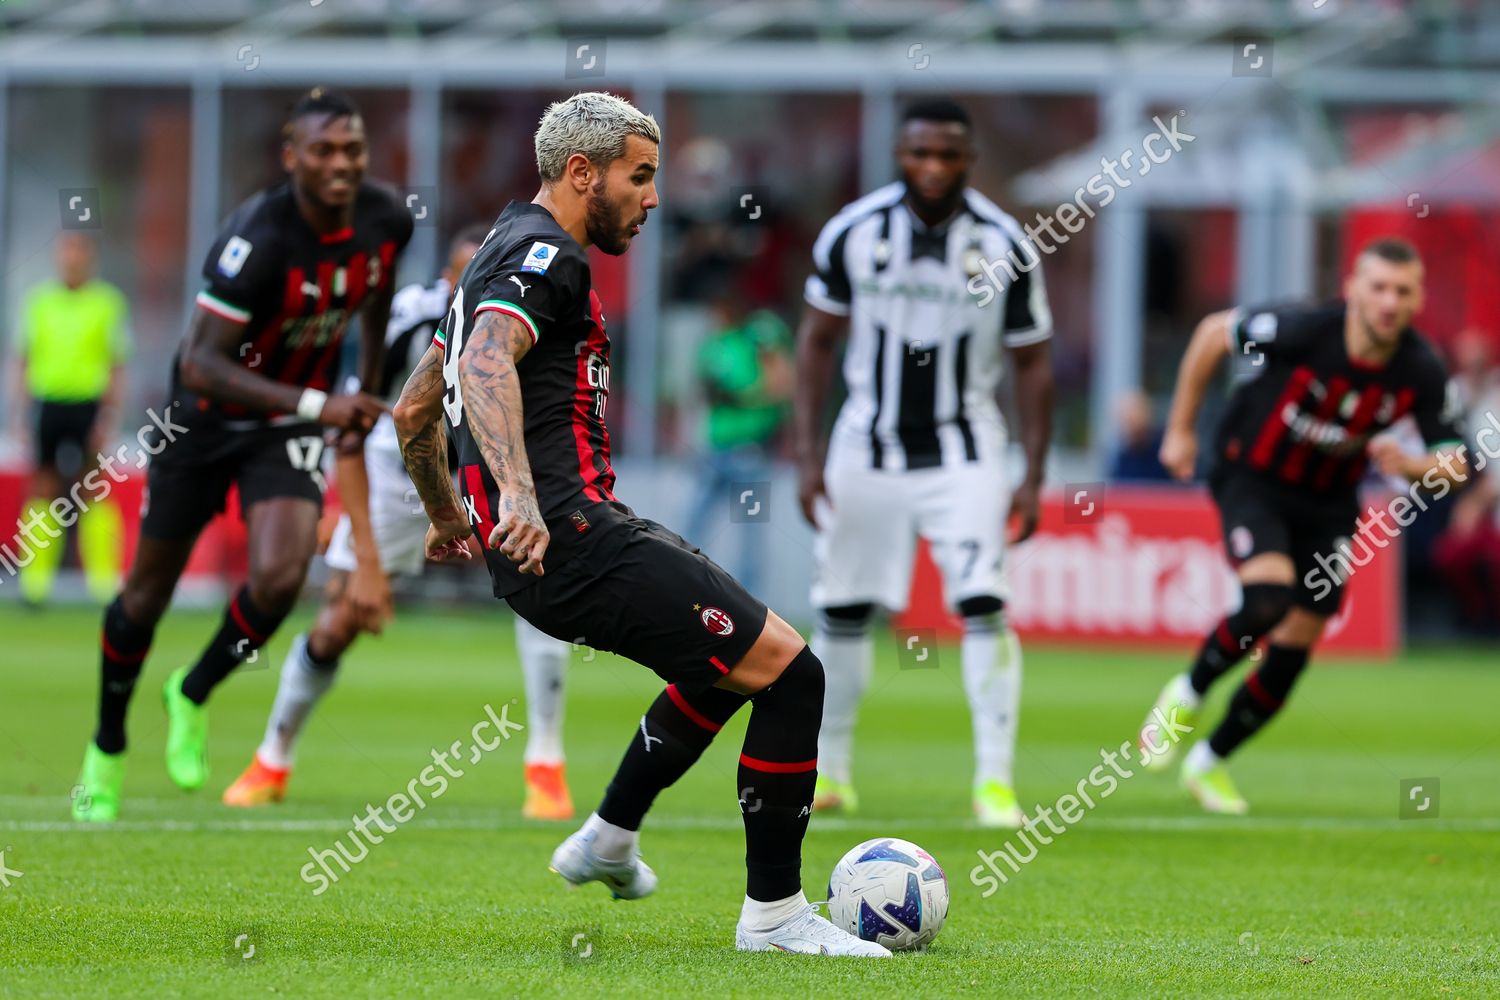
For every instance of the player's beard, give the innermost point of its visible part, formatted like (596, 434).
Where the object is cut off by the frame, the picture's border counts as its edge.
(1379, 338)
(601, 222)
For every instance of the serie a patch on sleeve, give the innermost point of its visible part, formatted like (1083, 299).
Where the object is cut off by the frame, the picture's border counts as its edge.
(236, 252)
(539, 257)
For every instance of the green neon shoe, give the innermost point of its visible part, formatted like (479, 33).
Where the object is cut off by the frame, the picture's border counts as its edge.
(187, 735)
(96, 796)
(1174, 716)
(831, 796)
(996, 806)
(1215, 790)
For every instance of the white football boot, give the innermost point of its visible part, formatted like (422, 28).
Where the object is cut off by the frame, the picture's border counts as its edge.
(807, 934)
(576, 861)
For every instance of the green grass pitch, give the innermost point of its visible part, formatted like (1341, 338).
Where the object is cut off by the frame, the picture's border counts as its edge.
(1323, 889)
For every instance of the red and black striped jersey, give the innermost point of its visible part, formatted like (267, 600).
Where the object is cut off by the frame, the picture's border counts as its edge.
(529, 268)
(294, 290)
(1307, 410)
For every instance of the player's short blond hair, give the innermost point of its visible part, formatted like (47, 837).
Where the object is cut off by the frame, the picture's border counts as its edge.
(592, 123)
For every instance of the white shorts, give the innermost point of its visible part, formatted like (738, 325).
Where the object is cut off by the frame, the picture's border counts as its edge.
(866, 541)
(396, 518)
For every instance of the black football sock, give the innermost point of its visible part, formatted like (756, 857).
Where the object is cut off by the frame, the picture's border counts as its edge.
(672, 735)
(778, 769)
(1263, 605)
(244, 630)
(123, 648)
(1259, 698)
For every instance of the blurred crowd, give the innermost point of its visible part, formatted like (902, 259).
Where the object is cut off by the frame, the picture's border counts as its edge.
(1466, 555)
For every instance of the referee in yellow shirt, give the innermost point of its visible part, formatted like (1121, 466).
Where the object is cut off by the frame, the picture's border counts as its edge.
(73, 344)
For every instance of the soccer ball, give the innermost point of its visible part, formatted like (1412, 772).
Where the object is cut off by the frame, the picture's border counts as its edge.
(891, 892)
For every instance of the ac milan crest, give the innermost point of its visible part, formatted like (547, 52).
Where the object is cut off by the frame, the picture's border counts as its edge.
(718, 622)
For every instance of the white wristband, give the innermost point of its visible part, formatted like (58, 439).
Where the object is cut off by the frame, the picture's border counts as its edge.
(310, 406)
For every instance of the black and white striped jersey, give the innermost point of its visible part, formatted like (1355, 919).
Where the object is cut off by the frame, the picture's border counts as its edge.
(927, 326)
(416, 311)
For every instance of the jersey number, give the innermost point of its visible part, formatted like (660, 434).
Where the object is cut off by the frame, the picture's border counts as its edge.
(306, 455)
(453, 397)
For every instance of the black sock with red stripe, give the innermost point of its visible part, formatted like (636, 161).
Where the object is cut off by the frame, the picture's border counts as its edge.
(244, 630)
(1258, 699)
(123, 648)
(1262, 606)
(778, 769)
(673, 734)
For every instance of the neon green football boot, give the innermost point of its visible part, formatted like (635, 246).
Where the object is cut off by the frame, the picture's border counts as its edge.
(996, 806)
(1214, 790)
(831, 796)
(1174, 716)
(187, 735)
(96, 797)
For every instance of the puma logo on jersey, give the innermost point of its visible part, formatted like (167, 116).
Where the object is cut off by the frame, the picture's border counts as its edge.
(311, 290)
(522, 287)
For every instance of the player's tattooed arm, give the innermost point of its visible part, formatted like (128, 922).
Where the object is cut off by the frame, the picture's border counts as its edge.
(491, 391)
(1034, 391)
(213, 365)
(817, 342)
(424, 445)
(424, 449)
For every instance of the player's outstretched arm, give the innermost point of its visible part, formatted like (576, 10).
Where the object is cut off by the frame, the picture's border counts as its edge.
(211, 367)
(424, 449)
(375, 318)
(818, 337)
(492, 396)
(1034, 391)
(1210, 343)
(370, 588)
(1438, 471)
(370, 591)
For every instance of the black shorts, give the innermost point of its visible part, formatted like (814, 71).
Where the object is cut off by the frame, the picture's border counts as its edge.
(1263, 516)
(190, 471)
(637, 589)
(62, 435)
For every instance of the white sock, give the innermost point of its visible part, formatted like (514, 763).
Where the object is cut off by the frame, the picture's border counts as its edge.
(1180, 691)
(611, 843)
(1201, 758)
(758, 916)
(848, 660)
(544, 664)
(991, 656)
(300, 688)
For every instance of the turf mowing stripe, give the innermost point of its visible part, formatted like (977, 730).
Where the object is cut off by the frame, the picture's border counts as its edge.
(1155, 824)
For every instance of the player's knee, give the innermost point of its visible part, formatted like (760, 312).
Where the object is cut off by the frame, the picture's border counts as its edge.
(145, 596)
(800, 685)
(1300, 629)
(846, 620)
(274, 588)
(1264, 605)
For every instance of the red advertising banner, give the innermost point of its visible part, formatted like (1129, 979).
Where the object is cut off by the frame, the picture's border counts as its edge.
(1145, 566)
(220, 552)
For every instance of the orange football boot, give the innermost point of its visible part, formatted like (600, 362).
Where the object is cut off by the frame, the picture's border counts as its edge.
(260, 785)
(547, 793)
